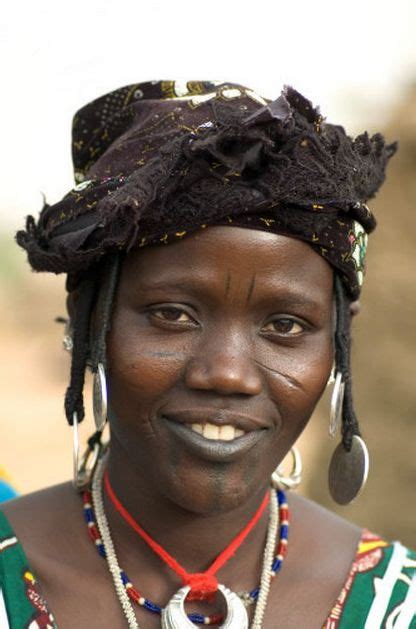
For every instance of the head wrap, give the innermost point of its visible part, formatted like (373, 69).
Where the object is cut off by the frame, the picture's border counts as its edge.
(155, 161)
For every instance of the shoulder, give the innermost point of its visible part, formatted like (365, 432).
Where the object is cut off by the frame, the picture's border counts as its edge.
(24, 536)
(45, 520)
(331, 530)
(327, 529)
(328, 541)
(40, 510)
(375, 578)
(360, 575)
(321, 549)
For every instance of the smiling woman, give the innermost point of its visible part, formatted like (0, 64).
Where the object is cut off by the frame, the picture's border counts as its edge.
(229, 329)
(214, 248)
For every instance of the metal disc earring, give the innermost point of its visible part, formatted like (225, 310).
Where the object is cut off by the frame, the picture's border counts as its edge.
(348, 471)
(99, 397)
(293, 480)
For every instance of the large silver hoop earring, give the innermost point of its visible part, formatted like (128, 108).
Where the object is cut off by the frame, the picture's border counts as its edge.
(99, 397)
(337, 401)
(293, 480)
(331, 378)
(348, 471)
(75, 450)
(83, 467)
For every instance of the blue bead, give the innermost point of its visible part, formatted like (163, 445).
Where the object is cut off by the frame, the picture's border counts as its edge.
(89, 516)
(276, 565)
(284, 530)
(281, 496)
(152, 607)
(197, 618)
(101, 550)
(254, 593)
(124, 577)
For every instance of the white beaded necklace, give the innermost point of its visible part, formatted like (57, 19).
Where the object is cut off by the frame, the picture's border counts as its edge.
(110, 553)
(114, 568)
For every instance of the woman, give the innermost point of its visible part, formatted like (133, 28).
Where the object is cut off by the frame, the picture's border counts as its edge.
(214, 248)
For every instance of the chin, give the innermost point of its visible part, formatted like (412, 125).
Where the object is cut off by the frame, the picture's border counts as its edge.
(211, 489)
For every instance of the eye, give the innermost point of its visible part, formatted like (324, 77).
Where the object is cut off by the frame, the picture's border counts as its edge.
(171, 314)
(285, 326)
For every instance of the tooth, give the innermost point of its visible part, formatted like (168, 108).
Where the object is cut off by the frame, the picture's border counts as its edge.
(211, 431)
(239, 432)
(227, 433)
(197, 428)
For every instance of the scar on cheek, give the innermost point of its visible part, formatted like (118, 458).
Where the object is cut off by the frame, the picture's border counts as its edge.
(179, 355)
(289, 380)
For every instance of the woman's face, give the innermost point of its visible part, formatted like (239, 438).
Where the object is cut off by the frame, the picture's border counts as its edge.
(220, 347)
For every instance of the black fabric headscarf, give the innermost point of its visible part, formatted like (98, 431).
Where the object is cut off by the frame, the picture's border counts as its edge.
(155, 161)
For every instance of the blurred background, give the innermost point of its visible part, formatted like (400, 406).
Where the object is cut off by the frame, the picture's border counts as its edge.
(356, 59)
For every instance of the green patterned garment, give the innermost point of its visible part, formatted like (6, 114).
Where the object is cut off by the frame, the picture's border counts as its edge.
(21, 605)
(380, 592)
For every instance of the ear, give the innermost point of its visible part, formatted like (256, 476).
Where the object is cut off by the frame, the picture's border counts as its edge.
(355, 308)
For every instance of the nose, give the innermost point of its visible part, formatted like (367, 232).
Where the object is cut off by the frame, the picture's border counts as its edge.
(224, 365)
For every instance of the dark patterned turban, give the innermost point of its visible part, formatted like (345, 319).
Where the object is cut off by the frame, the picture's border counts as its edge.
(155, 161)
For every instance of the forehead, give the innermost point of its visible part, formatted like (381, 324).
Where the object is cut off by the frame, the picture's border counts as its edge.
(221, 254)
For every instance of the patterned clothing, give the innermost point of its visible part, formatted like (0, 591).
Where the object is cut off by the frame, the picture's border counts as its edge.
(21, 606)
(380, 591)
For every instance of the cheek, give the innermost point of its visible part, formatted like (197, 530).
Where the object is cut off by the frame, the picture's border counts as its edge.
(305, 367)
(141, 365)
(296, 379)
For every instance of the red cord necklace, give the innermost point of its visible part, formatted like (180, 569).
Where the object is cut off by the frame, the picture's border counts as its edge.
(203, 584)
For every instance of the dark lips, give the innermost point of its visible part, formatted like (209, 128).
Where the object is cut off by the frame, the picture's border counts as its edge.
(213, 449)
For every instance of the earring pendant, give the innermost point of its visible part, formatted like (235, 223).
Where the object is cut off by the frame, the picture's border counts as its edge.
(99, 397)
(337, 401)
(348, 471)
(174, 616)
(83, 466)
(293, 480)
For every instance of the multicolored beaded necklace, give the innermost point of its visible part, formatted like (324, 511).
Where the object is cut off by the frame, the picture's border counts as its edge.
(136, 597)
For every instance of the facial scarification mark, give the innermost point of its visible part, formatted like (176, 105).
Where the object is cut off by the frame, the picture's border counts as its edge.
(251, 288)
(227, 284)
(166, 354)
(292, 382)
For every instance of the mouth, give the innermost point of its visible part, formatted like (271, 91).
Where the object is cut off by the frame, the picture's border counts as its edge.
(227, 432)
(220, 436)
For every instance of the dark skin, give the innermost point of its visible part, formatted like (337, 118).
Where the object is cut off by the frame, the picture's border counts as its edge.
(229, 322)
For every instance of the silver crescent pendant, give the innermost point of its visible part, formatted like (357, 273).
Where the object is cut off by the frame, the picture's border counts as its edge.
(174, 615)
